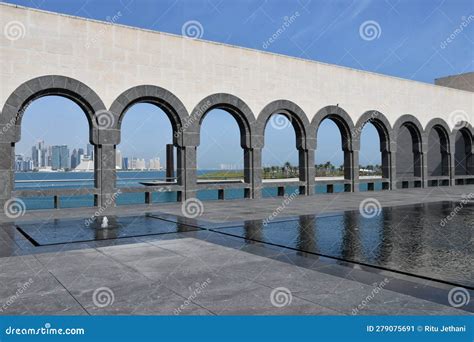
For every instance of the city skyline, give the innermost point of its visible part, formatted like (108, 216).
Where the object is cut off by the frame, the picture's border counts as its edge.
(45, 157)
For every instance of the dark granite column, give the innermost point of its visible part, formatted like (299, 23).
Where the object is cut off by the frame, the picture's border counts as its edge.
(386, 165)
(186, 170)
(306, 169)
(104, 161)
(253, 171)
(351, 168)
(6, 173)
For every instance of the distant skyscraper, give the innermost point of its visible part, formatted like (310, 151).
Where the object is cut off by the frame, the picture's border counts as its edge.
(18, 162)
(80, 153)
(74, 159)
(90, 151)
(39, 155)
(118, 159)
(137, 164)
(49, 155)
(125, 163)
(34, 156)
(155, 164)
(60, 157)
(23, 164)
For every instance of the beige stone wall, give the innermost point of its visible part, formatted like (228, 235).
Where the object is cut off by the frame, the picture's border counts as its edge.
(112, 58)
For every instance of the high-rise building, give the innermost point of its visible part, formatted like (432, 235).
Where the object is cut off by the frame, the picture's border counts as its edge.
(49, 155)
(23, 164)
(18, 162)
(118, 159)
(74, 159)
(60, 157)
(137, 164)
(34, 156)
(39, 155)
(155, 164)
(90, 151)
(80, 154)
(125, 163)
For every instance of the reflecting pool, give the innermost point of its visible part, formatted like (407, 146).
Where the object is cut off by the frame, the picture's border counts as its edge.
(429, 240)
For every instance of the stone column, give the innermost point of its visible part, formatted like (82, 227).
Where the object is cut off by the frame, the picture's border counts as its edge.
(452, 162)
(253, 171)
(105, 141)
(386, 163)
(6, 173)
(351, 168)
(306, 169)
(186, 171)
(421, 168)
(170, 162)
(470, 162)
(104, 161)
(393, 165)
(355, 171)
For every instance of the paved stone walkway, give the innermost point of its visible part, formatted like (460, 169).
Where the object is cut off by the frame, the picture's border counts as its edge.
(207, 273)
(187, 276)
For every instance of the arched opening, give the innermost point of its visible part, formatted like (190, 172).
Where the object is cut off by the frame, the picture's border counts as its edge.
(408, 158)
(146, 155)
(280, 157)
(438, 152)
(332, 156)
(220, 156)
(150, 119)
(464, 160)
(54, 153)
(372, 156)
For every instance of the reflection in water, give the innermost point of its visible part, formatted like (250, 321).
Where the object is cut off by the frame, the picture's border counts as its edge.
(404, 238)
(80, 230)
(253, 230)
(306, 237)
(350, 241)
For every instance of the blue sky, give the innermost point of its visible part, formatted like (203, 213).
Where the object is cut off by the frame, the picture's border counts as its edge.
(408, 45)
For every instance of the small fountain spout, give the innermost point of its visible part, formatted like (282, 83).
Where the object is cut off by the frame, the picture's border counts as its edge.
(105, 222)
